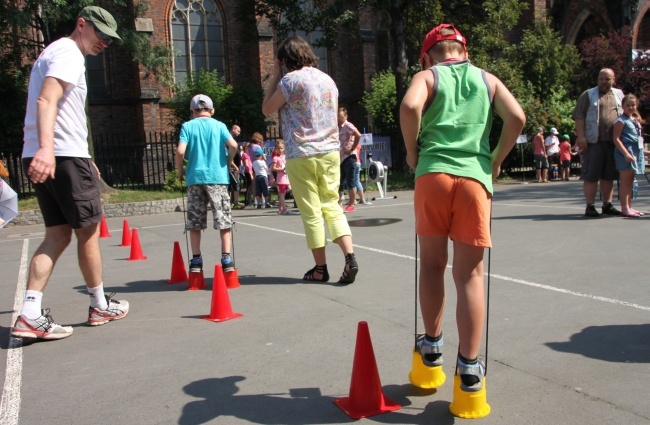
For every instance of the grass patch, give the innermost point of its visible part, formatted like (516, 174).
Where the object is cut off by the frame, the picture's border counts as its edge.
(125, 196)
(400, 180)
(120, 197)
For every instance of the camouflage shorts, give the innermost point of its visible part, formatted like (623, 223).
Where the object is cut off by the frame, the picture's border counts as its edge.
(199, 197)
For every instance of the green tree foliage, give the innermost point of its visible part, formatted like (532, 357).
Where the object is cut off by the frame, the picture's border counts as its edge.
(548, 68)
(288, 16)
(241, 105)
(613, 50)
(380, 102)
(547, 62)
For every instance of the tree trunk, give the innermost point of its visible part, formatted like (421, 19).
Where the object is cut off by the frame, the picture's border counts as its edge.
(105, 188)
(400, 65)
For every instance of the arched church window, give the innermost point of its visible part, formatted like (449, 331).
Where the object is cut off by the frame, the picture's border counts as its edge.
(197, 38)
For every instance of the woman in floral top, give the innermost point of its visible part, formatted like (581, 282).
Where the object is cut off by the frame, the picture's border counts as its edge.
(308, 102)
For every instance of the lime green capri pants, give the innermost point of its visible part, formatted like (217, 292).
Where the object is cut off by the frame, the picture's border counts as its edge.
(315, 185)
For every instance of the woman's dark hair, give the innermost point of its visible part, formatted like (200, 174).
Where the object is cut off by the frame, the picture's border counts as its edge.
(296, 53)
(257, 138)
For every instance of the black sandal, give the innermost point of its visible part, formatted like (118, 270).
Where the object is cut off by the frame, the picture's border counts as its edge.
(317, 269)
(350, 270)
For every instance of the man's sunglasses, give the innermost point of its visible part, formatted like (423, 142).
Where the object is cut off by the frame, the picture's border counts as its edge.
(103, 37)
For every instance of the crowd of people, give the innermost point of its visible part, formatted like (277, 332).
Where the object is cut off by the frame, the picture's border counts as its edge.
(318, 160)
(244, 172)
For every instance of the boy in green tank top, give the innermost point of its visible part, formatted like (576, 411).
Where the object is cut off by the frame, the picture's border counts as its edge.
(450, 105)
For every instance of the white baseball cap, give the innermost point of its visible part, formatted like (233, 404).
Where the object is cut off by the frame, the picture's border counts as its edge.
(554, 130)
(201, 101)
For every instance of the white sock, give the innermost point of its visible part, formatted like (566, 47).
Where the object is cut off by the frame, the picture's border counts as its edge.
(97, 298)
(32, 305)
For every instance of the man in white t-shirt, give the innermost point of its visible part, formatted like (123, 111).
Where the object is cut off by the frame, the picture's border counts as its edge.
(66, 181)
(552, 144)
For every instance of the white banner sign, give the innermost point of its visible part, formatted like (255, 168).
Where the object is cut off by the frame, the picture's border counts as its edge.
(366, 139)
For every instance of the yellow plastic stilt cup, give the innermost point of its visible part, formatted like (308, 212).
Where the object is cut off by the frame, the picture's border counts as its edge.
(423, 376)
(469, 405)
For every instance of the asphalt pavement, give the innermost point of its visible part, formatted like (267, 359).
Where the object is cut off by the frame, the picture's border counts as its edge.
(568, 342)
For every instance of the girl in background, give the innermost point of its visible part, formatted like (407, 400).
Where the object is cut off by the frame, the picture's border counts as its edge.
(628, 139)
(281, 179)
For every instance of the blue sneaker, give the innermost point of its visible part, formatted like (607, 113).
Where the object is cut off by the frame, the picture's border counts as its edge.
(227, 264)
(196, 265)
(430, 351)
(471, 375)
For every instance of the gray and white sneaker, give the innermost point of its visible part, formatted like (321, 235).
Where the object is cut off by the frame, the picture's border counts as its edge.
(41, 328)
(114, 311)
(430, 351)
(471, 375)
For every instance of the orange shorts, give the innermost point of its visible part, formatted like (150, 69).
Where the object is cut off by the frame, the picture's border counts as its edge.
(457, 207)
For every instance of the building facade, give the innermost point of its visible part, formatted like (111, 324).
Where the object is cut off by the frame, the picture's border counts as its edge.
(208, 34)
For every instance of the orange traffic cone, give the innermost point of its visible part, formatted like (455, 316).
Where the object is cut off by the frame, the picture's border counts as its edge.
(126, 234)
(179, 273)
(366, 396)
(197, 282)
(136, 249)
(103, 228)
(220, 310)
(232, 279)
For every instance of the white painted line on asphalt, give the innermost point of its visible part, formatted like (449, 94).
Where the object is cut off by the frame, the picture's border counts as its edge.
(10, 402)
(569, 292)
(540, 205)
(506, 278)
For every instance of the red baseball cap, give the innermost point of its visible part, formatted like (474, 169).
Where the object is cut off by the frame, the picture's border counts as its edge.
(434, 37)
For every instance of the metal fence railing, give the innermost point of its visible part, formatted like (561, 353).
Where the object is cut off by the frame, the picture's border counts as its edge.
(124, 161)
(125, 164)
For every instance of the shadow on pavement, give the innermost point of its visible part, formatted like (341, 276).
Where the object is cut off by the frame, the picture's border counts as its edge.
(373, 222)
(546, 217)
(218, 398)
(138, 286)
(611, 343)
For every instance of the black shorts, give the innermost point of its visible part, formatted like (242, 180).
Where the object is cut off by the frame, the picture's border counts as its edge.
(598, 162)
(73, 196)
(234, 185)
(541, 162)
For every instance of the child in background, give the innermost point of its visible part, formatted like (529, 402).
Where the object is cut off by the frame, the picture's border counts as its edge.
(210, 149)
(261, 180)
(256, 143)
(565, 157)
(281, 179)
(628, 156)
(453, 187)
(246, 170)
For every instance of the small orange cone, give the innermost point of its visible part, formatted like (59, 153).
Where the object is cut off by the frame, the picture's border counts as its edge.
(220, 310)
(366, 396)
(232, 279)
(179, 273)
(103, 229)
(126, 234)
(197, 282)
(136, 249)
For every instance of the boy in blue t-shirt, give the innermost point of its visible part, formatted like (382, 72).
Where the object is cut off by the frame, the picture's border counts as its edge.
(210, 150)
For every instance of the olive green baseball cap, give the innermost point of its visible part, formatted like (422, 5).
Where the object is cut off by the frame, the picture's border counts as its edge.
(102, 20)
